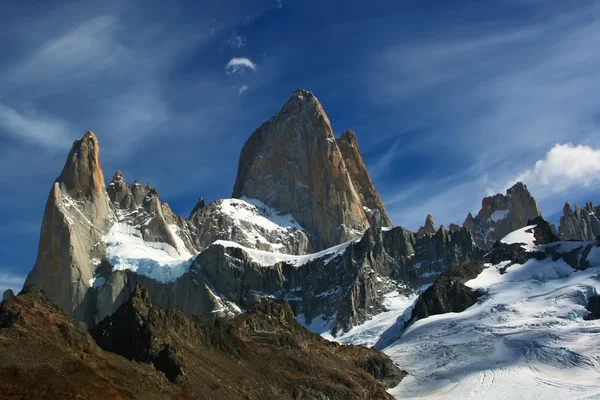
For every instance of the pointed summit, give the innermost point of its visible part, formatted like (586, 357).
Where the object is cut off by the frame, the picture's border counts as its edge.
(77, 216)
(428, 228)
(294, 164)
(82, 175)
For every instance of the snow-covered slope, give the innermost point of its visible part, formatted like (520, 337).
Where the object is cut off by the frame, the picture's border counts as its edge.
(250, 223)
(525, 338)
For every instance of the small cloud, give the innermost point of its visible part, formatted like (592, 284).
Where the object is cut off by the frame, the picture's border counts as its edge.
(565, 166)
(239, 65)
(237, 41)
(279, 3)
(242, 89)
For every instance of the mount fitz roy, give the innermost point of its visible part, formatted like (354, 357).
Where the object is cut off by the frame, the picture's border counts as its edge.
(304, 224)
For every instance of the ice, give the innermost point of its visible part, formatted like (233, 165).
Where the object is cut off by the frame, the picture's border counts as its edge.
(126, 250)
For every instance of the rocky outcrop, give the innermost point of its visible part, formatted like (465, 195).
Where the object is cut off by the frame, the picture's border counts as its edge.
(581, 224)
(593, 307)
(348, 145)
(449, 293)
(77, 215)
(294, 164)
(266, 338)
(428, 228)
(502, 214)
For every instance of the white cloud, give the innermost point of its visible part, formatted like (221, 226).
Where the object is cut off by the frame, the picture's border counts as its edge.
(237, 41)
(279, 3)
(565, 166)
(239, 65)
(242, 89)
(33, 127)
(11, 281)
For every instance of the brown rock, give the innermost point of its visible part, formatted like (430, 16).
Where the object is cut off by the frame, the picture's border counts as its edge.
(77, 215)
(357, 169)
(428, 228)
(293, 163)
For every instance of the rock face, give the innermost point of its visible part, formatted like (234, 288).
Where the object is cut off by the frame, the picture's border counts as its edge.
(294, 164)
(502, 214)
(348, 145)
(581, 224)
(77, 215)
(44, 354)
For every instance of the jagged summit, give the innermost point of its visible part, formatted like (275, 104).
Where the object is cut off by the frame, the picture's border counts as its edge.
(580, 223)
(294, 164)
(501, 214)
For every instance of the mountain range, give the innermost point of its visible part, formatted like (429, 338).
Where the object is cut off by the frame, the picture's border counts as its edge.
(304, 241)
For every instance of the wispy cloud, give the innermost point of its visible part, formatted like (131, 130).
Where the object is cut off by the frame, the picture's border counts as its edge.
(242, 89)
(240, 65)
(33, 127)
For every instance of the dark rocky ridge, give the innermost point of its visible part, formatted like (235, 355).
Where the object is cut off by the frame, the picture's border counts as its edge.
(350, 286)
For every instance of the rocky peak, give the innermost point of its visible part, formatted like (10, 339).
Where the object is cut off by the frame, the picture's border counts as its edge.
(77, 216)
(199, 205)
(294, 164)
(429, 227)
(567, 209)
(82, 175)
(502, 214)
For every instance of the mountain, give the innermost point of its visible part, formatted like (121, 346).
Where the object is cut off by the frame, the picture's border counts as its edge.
(98, 243)
(501, 214)
(294, 164)
(147, 353)
(581, 224)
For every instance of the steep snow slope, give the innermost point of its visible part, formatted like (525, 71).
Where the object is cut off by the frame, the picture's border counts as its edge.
(526, 338)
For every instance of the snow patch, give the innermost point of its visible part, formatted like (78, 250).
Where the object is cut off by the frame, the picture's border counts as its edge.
(265, 258)
(522, 236)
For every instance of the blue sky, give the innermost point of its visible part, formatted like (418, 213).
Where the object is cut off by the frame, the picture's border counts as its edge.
(449, 102)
